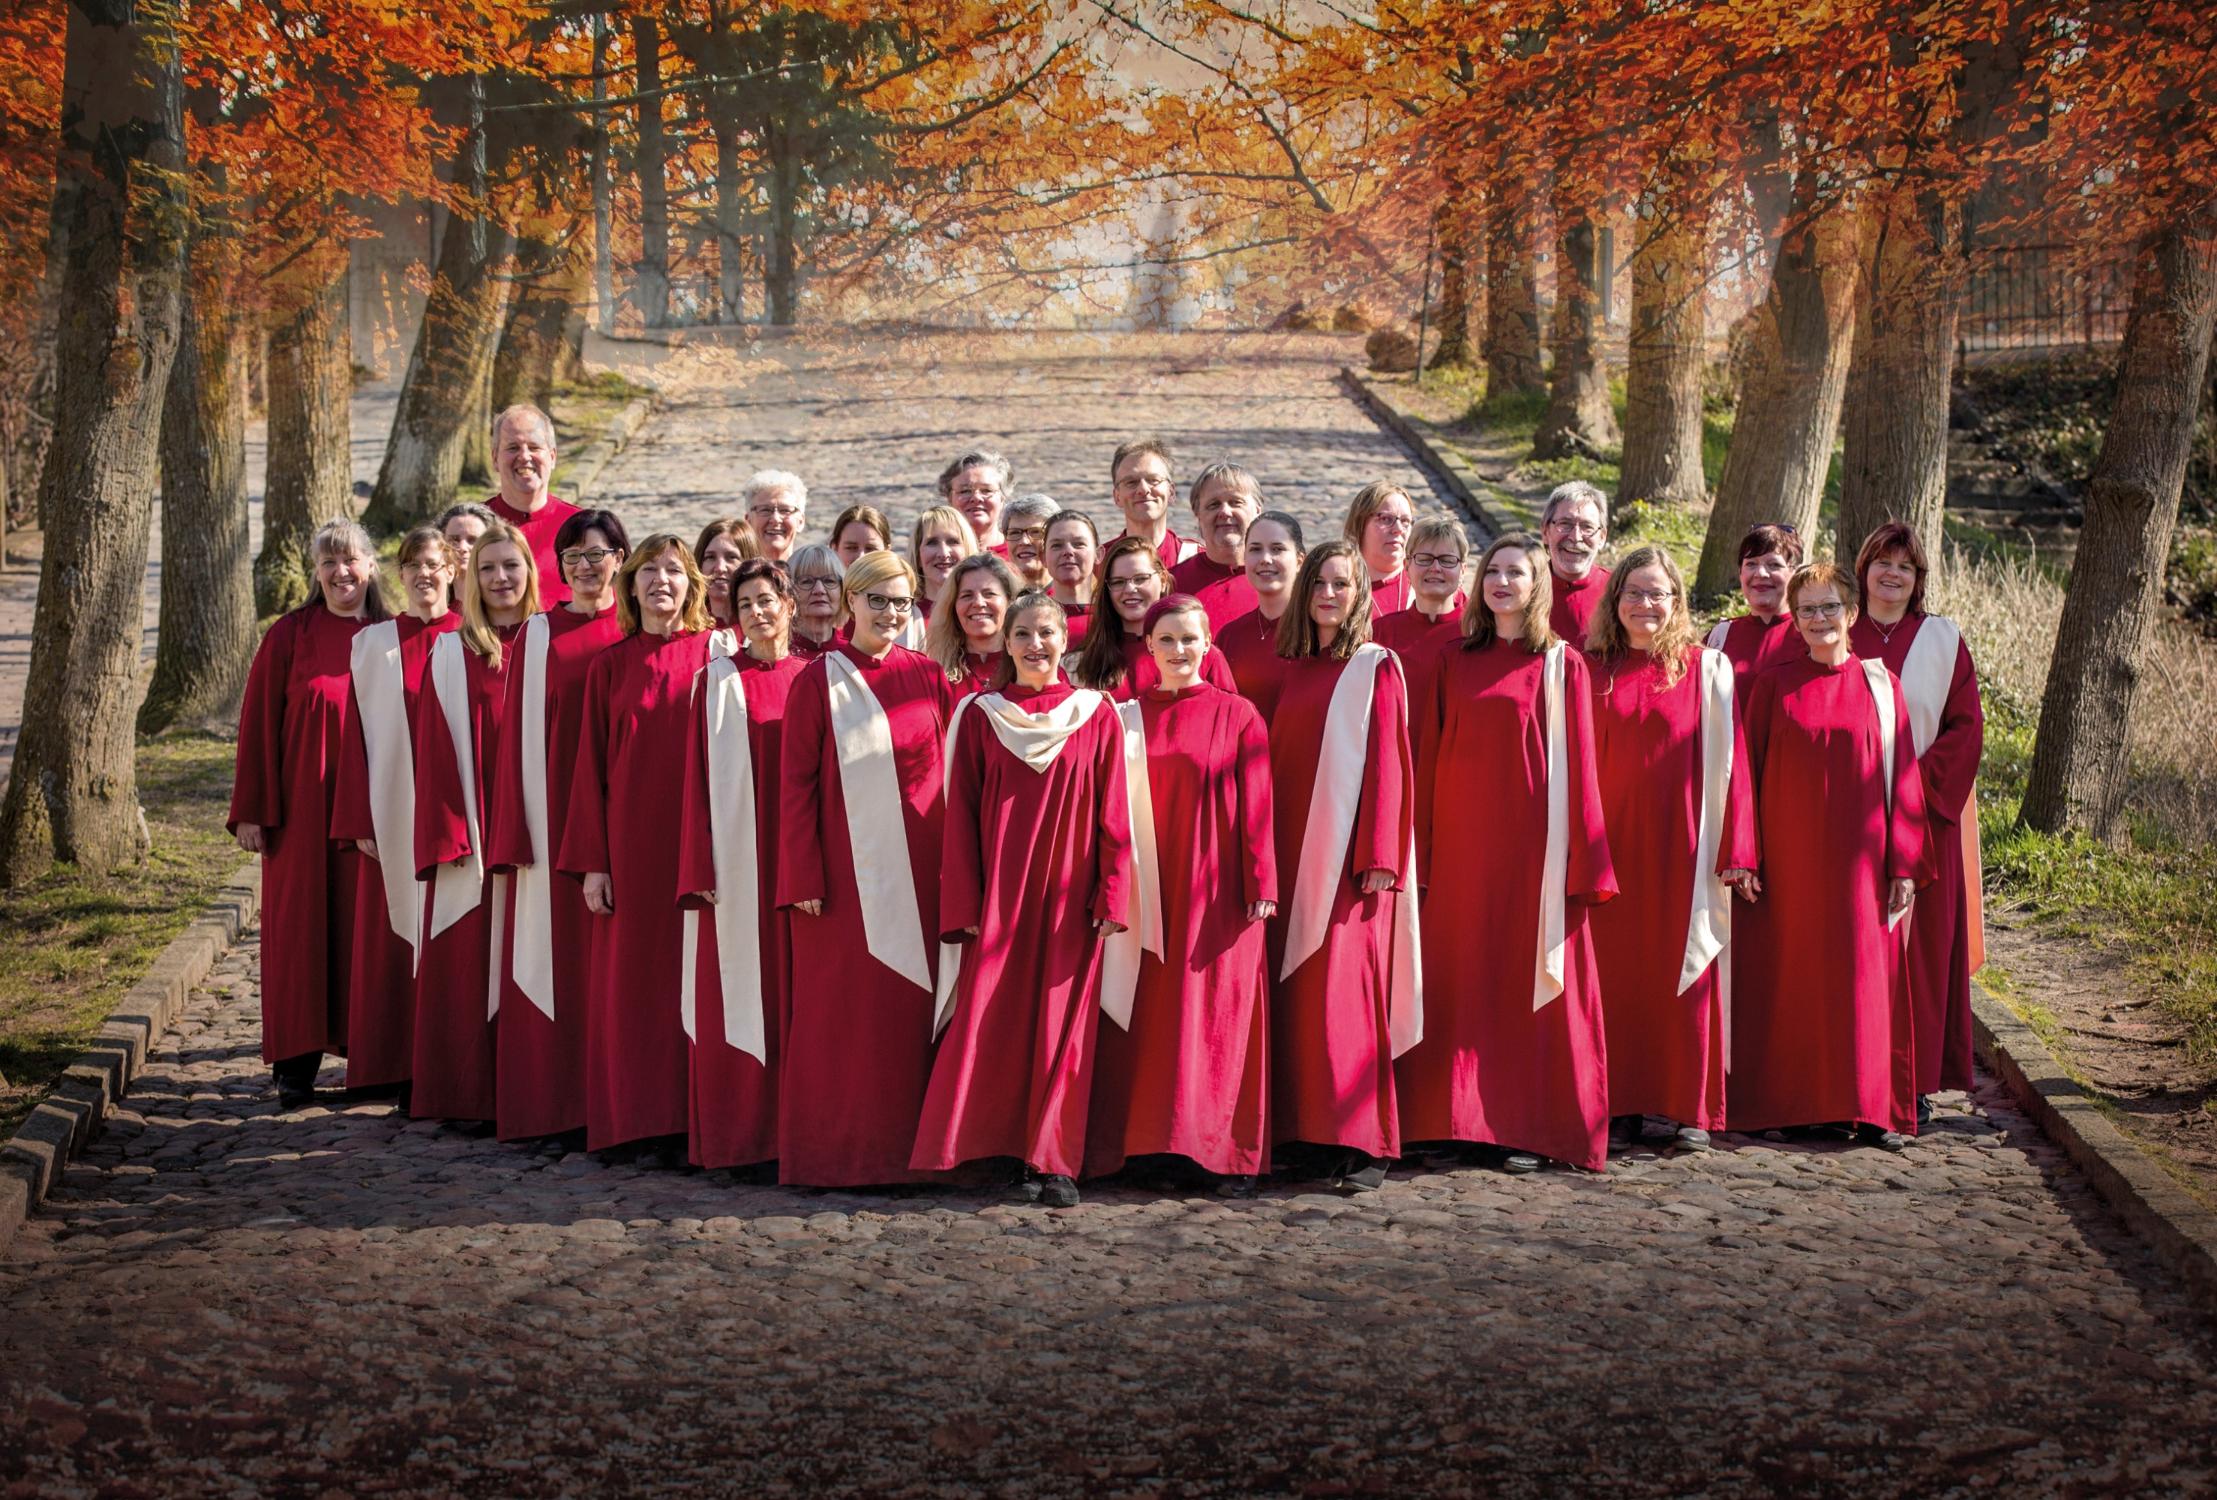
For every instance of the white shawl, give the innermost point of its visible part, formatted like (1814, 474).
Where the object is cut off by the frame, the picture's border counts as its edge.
(877, 828)
(732, 834)
(1120, 956)
(380, 694)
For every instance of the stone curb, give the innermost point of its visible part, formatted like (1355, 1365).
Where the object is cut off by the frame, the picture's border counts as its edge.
(1495, 508)
(67, 1119)
(2181, 1228)
(596, 455)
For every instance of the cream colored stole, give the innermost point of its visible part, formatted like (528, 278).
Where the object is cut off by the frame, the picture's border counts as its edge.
(380, 693)
(1120, 954)
(877, 829)
(533, 883)
(1927, 673)
(1882, 694)
(732, 833)
(1548, 971)
(1711, 927)
(458, 887)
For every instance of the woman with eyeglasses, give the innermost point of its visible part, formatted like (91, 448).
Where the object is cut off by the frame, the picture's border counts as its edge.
(1249, 643)
(1765, 635)
(816, 572)
(1073, 571)
(1822, 1024)
(1114, 659)
(540, 1042)
(863, 808)
(1927, 652)
(966, 635)
(1675, 797)
(1432, 620)
(1024, 523)
(1510, 842)
(1380, 521)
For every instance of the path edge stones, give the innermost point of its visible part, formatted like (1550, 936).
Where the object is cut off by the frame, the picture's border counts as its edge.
(594, 458)
(1496, 509)
(67, 1119)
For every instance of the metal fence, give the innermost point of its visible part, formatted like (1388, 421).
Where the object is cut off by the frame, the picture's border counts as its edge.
(2025, 298)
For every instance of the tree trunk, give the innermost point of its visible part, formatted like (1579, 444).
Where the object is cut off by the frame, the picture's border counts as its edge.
(541, 344)
(1578, 419)
(206, 639)
(119, 184)
(604, 195)
(1667, 354)
(651, 289)
(311, 432)
(731, 269)
(1895, 427)
(2081, 753)
(1789, 406)
(781, 277)
(1459, 223)
(1513, 332)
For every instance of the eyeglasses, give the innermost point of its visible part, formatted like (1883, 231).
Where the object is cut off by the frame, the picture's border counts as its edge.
(1642, 596)
(592, 557)
(816, 581)
(881, 603)
(1435, 560)
(419, 565)
(1131, 482)
(1577, 528)
(1028, 534)
(774, 512)
(1831, 611)
(1129, 585)
(1394, 523)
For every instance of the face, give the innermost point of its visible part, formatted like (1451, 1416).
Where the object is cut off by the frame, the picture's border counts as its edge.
(718, 563)
(1822, 618)
(977, 493)
(881, 612)
(1223, 512)
(1272, 559)
(1508, 581)
(1333, 593)
(1027, 547)
(659, 586)
(344, 578)
(938, 552)
(427, 576)
(815, 596)
(777, 523)
(461, 535)
(1645, 605)
(856, 538)
(757, 609)
(1437, 571)
(1574, 538)
(590, 563)
(1142, 484)
(501, 569)
(981, 608)
(1133, 587)
(1763, 582)
(1035, 643)
(1178, 644)
(1386, 536)
(523, 457)
(1071, 556)
(1891, 579)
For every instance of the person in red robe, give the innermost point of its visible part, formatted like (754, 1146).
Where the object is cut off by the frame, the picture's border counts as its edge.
(816, 573)
(965, 637)
(1928, 654)
(858, 866)
(728, 849)
(776, 503)
(523, 461)
(1765, 635)
(1575, 526)
(1225, 500)
(630, 756)
(1024, 523)
(1141, 487)
(1379, 521)
(1344, 942)
(1514, 857)
(1035, 870)
(1432, 621)
(1822, 1027)
(940, 539)
(292, 735)
(458, 751)
(1074, 570)
(724, 543)
(1114, 659)
(546, 980)
(1671, 762)
(462, 524)
(1183, 1070)
(977, 485)
(1248, 645)
(387, 668)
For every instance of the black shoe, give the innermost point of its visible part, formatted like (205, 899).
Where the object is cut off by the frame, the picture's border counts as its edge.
(1057, 1191)
(1024, 1186)
(1362, 1173)
(292, 1096)
(1625, 1131)
(1924, 1110)
(1694, 1138)
(1237, 1185)
(1521, 1163)
(1884, 1140)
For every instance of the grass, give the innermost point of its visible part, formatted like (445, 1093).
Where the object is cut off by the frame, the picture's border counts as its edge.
(73, 943)
(582, 411)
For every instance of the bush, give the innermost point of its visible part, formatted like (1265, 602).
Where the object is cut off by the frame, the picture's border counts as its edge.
(1391, 351)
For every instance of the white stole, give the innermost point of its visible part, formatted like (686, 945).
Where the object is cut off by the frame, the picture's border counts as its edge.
(1547, 972)
(380, 693)
(1927, 676)
(533, 883)
(1711, 927)
(877, 828)
(1718, 635)
(459, 885)
(1120, 955)
(1882, 694)
(732, 836)
(1325, 837)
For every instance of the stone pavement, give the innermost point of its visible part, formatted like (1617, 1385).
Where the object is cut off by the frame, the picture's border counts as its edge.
(223, 1299)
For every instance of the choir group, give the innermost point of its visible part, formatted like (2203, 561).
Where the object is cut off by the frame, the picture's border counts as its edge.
(992, 849)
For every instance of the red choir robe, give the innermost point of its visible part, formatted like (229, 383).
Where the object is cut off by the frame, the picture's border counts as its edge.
(547, 978)
(1667, 1038)
(978, 672)
(734, 1093)
(1822, 1027)
(1514, 1051)
(1249, 647)
(388, 905)
(1224, 592)
(1188, 1074)
(1332, 1023)
(539, 528)
(292, 734)
(1077, 619)
(1418, 639)
(1755, 645)
(1391, 595)
(1575, 603)
(1173, 550)
(1141, 673)
(630, 762)
(1034, 857)
(1945, 938)
(858, 1030)
(458, 984)
(808, 650)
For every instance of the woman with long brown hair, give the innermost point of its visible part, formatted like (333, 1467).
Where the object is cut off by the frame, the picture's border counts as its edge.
(724, 544)
(966, 634)
(1114, 658)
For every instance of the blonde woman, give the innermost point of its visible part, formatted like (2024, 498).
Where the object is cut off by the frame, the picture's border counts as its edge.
(1380, 520)
(940, 539)
(965, 636)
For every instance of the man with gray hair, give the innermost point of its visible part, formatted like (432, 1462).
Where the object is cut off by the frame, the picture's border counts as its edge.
(1024, 527)
(777, 509)
(976, 484)
(1224, 498)
(1574, 526)
(523, 461)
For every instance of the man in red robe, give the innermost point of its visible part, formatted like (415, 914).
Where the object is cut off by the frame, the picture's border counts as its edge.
(1225, 500)
(523, 459)
(1139, 477)
(1575, 526)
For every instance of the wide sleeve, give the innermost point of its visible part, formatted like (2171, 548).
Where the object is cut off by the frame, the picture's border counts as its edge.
(350, 797)
(1755, 734)
(1387, 813)
(584, 848)
(1950, 763)
(1591, 875)
(1113, 877)
(442, 818)
(1217, 672)
(800, 860)
(508, 830)
(696, 832)
(962, 848)
(1258, 833)
(1739, 846)
(1909, 846)
(258, 775)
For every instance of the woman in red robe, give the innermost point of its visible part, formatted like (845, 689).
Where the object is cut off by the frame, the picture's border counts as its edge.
(458, 749)
(1432, 621)
(1511, 843)
(1248, 644)
(1183, 1071)
(864, 803)
(1765, 635)
(965, 635)
(1344, 945)
(1114, 659)
(1074, 571)
(292, 735)
(816, 572)
(1822, 1026)
(1928, 654)
(1379, 521)
(377, 787)
(1035, 870)
(1672, 765)
(728, 851)
(722, 546)
(630, 759)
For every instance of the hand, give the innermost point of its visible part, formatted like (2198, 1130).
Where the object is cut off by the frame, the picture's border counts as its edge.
(1746, 883)
(969, 932)
(1374, 881)
(1261, 911)
(707, 896)
(809, 908)
(250, 838)
(1108, 928)
(600, 894)
(367, 846)
(1899, 893)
